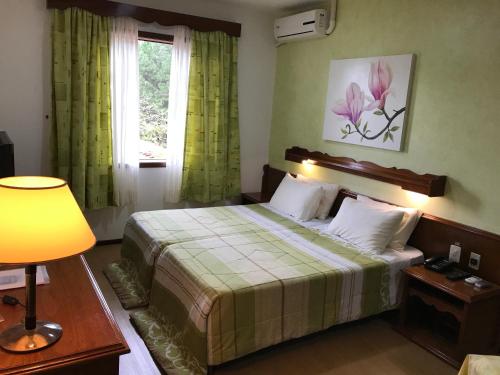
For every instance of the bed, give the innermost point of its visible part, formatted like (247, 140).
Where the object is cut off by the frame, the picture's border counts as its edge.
(218, 298)
(220, 283)
(147, 234)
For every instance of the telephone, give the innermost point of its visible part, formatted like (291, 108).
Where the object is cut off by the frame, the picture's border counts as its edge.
(438, 263)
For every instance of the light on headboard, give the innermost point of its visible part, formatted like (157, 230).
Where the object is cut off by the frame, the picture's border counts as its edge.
(417, 200)
(308, 165)
(428, 184)
(309, 162)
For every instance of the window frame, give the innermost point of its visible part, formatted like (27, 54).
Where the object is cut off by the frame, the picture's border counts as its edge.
(155, 38)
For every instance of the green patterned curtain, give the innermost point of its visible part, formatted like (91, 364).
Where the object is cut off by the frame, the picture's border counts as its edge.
(81, 128)
(212, 148)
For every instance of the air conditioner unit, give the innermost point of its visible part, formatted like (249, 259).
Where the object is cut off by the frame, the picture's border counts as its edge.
(311, 24)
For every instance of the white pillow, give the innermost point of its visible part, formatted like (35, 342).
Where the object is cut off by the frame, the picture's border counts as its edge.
(411, 216)
(365, 226)
(330, 192)
(296, 199)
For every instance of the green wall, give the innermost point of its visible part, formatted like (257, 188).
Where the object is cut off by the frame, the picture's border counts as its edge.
(453, 123)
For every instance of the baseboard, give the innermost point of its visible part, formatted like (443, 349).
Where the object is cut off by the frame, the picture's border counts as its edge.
(109, 242)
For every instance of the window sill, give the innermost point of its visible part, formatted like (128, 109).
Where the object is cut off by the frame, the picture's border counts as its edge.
(152, 164)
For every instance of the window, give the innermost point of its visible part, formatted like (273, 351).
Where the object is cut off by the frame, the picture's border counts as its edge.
(155, 53)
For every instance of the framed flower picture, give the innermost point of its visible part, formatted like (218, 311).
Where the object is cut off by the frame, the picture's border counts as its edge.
(367, 101)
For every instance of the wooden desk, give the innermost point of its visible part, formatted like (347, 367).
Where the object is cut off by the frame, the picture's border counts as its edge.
(91, 342)
(449, 318)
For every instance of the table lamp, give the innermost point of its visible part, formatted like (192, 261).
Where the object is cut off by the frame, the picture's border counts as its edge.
(40, 221)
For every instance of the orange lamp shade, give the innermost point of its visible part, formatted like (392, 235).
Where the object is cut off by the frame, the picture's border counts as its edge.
(40, 221)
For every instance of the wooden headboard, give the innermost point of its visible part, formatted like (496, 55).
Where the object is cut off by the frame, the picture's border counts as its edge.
(433, 235)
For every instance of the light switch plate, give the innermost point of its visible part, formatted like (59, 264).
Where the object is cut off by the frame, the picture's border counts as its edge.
(455, 251)
(474, 261)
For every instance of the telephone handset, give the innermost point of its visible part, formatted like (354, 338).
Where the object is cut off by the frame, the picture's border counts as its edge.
(438, 263)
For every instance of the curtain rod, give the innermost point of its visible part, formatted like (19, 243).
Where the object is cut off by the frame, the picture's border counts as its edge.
(148, 15)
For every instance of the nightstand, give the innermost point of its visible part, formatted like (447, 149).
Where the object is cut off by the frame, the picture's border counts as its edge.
(251, 198)
(449, 318)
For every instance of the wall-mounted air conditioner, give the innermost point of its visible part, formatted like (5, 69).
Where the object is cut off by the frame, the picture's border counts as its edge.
(311, 24)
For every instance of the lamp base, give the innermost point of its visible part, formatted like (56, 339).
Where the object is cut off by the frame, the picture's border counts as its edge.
(18, 339)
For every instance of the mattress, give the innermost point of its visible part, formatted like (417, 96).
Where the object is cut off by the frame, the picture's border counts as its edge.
(220, 298)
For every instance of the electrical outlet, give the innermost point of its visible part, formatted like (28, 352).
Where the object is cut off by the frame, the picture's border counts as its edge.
(474, 260)
(455, 251)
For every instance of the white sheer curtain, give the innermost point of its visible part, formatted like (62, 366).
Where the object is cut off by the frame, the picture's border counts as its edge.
(125, 109)
(177, 108)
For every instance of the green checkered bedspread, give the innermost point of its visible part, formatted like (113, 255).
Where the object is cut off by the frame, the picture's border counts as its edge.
(147, 234)
(219, 298)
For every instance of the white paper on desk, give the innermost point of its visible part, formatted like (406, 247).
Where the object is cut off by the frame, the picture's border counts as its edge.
(15, 278)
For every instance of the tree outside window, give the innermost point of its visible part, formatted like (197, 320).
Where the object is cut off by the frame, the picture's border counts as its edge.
(154, 80)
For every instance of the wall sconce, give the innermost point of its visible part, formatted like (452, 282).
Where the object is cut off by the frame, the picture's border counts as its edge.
(308, 165)
(417, 199)
(309, 162)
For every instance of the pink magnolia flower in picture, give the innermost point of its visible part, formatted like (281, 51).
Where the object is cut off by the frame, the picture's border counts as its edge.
(379, 81)
(354, 105)
(359, 108)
